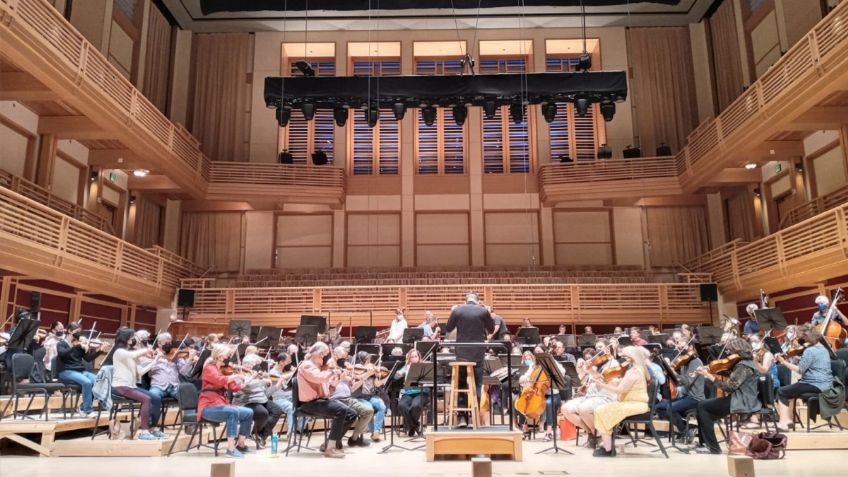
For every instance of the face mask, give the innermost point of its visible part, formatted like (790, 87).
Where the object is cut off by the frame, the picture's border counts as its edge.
(166, 348)
(326, 359)
(756, 345)
(287, 367)
(60, 334)
(528, 362)
(822, 307)
(131, 343)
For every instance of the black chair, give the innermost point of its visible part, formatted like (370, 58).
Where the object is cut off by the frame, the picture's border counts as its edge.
(187, 398)
(22, 365)
(166, 403)
(72, 391)
(295, 437)
(837, 367)
(767, 412)
(646, 419)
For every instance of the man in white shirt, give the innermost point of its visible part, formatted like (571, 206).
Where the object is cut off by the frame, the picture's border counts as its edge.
(429, 324)
(398, 325)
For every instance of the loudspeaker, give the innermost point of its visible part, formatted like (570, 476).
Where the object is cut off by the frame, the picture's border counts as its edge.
(709, 292)
(185, 298)
(35, 303)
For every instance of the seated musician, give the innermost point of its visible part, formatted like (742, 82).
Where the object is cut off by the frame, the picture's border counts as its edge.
(126, 373)
(254, 396)
(528, 359)
(766, 364)
(55, 334)
(164, 373)
(314, 396)
(412, 400)
(553, 401)
(632, 390)
(142, 337)
(822, 303)
(281, 391)
(636, 337)
(214, 406)
(559, 353)
(429, 324)
(690, 391)
(75, 360)
(364, 412)
(752, 326)
(580, 411)
(815, 371)
(367, 394)
(741, 395)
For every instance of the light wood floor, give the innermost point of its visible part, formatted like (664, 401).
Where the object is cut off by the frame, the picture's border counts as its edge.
(367, 463)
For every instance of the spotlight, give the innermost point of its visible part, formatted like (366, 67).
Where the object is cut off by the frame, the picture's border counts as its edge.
(132, 200)
(608, 110)
(516, 111)
(285, 157)
(140, 172)
(799, 167)
(399, 109)
(373, 116)
(663, 150)
(319, 158)
(428, 115)
(757, 192)
(308, 110)
(549, 111)
(489, 108)
(459, 114)
(604, 152)
(631, 152)
(584, 62)
(93, 175)
(581, 104)
(305, 68)
(751, 166)
(283, 116)
(340, 115)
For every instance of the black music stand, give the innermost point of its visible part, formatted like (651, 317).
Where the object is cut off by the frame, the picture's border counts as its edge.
(770, 319)
(197, 370)
(411, 335)
(546, 361)
(370, 348)
(772, 345)
(659, 338)
(365, 334)
(23, 334)
(407, 383)
(240, 328)
(306, 335)
(586, 340)
(624, 341)
(569, 341)
(386, 349)
(709, 335)
(425, 348)
(319, 322)
(529, 335)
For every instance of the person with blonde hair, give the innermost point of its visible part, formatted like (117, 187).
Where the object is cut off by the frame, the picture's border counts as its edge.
(632, 391)
(213, 404)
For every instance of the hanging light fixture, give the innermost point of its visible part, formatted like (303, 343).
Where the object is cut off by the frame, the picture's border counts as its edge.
(581, 104)
(489, 108)
(340, 115)
(516, 111)
(608, 110)
(308, 110)
(373, 115)
(549, 111)
(399, 109)
(428, 115)
(283, 116)
(460, 112)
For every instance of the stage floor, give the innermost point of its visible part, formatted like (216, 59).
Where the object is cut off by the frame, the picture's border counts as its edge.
(366, 462)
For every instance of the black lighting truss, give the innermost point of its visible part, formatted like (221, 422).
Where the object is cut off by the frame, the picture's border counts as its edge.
(487, 91)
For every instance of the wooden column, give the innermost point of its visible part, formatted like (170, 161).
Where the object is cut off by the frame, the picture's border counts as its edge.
(46, 161)
(76, 308)
(5, 287)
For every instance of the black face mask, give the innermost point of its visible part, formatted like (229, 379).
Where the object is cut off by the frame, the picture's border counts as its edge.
(131, 343)
(802, 341)
(59, 334)
(75, 336)
(326, 359)
(287, 367)
(166, 348)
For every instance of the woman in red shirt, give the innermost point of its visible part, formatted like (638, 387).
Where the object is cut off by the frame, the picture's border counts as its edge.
(214, 406)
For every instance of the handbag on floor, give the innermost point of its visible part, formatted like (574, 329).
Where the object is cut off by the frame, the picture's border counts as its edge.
(739, 442)
(768, 445)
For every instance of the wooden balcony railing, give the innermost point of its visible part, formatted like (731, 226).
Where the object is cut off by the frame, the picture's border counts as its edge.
(813, 250)
(265, 180)
(41, 195)
(544, 303)
(814, 207)
(40, 241)
(605, 178)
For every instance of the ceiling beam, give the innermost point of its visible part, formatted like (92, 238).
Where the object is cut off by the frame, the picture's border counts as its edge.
(779, 150)
(20, 86)
(820, 117)
(736, 175)
(114, 159)
(152, 183)
(72, 127)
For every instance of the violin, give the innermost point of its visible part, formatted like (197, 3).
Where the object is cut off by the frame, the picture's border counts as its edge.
(615, 371)
(600, 359)
(683, 358)
(724, 365)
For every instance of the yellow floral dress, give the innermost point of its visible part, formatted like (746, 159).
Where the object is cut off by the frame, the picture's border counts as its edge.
(631, 403)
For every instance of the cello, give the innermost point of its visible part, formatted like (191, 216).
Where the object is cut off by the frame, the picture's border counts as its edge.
(832, 332)
(531, 402)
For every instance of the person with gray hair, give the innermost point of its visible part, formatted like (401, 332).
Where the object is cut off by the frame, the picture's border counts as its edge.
(254, 395)
(164, 373)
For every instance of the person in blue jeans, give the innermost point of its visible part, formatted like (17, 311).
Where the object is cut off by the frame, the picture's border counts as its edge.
(214, 406)
(74, 360)
(165, 374)
(367, 394)
(281, 392)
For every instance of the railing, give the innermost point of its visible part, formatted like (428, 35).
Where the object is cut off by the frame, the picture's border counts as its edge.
(608, 170)
(53, 239)
(696, 263)
(185, 267)
(275, 174)
(41, 195)
(814, 207)
(547, 303)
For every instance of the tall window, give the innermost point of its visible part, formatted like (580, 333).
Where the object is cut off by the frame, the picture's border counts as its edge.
(506, 145)
(301, 137)
(572, 136)
(440, 147)
(376, 150)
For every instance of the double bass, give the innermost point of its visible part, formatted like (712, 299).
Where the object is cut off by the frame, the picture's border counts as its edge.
(830, 329)
(531, 402)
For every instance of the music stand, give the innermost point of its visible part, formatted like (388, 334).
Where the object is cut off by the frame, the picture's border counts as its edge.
(569, 341)
(529, 335)
(770, 319)
(709, 335)
(546, 361)
(23, 334)
(306, 334)
(386, 349)
(370, 348)
(772, 345)
(586, 340)
(425, 347)
(571, 372)
(271, 333)
(411, 335)
(365, 334)
(659, 338)
(197, 370)
(624, 341)
(320, 322)
(239, 328)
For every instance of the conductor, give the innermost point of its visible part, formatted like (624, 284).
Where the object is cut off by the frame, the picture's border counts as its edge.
(473, 324)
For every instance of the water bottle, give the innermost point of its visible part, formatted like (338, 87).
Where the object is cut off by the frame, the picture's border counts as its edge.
(275, 442)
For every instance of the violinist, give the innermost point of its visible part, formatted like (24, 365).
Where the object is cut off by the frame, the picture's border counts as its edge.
(75, 363)
(690, 389)
(313, 386)
(142, 337)
(580, 411)
(822, 303)
(632, 390)
(741, 393)
(165, 373)
(429, 324)
(343, 393)
(214, 406)
(368, 394)
(412, 400)
(281, 391)
(766, 364)
(254, 395)
(125, 376)
(55, 334)
(815, 371)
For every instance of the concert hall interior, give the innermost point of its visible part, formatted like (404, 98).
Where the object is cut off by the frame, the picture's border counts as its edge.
(444, 237)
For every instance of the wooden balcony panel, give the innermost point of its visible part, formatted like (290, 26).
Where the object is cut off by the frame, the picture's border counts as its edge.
(815, 206)
(276, 182)
(609, 178)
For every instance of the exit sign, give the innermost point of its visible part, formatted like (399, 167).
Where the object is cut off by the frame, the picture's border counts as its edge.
(778, 167)
(113, 177)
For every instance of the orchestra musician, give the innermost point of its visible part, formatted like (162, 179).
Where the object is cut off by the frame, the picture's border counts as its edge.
(822, 303)
(632, 390)
(126, 372)
(412, 400)
(553, 401)
(815, 371)
(213, 405)
(367, 394)
(690, 389)
(741, 394)
(343, 393)
(55, 334)
(752, 326)
(281, 391)
(398, 325)
(73, 353)
(500, 326)
(766, 364)
(254, 396)
(429, 325)
(636, 337)
(528, 359)
(314, 384)
(165, 373)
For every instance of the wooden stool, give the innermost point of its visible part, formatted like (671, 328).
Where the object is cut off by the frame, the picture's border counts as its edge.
(471, 392)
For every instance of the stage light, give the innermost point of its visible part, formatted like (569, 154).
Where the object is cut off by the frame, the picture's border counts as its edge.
(605, 152)
(663, 150)
(757, 192)
(608, 110)
(549, 111)
(305, 68)
(285, 157)
(141, 172)
(400, 110)
(308, 110)
(428, 115)
(283, 116)
(340, 115)
(799, 167)
(373, 116)
(631, 152)
(93, 175)
(459, 114)
(516, 111)
(489, 109)
(319, 158)
(751, 166)
(581, 104)
(584, 62)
